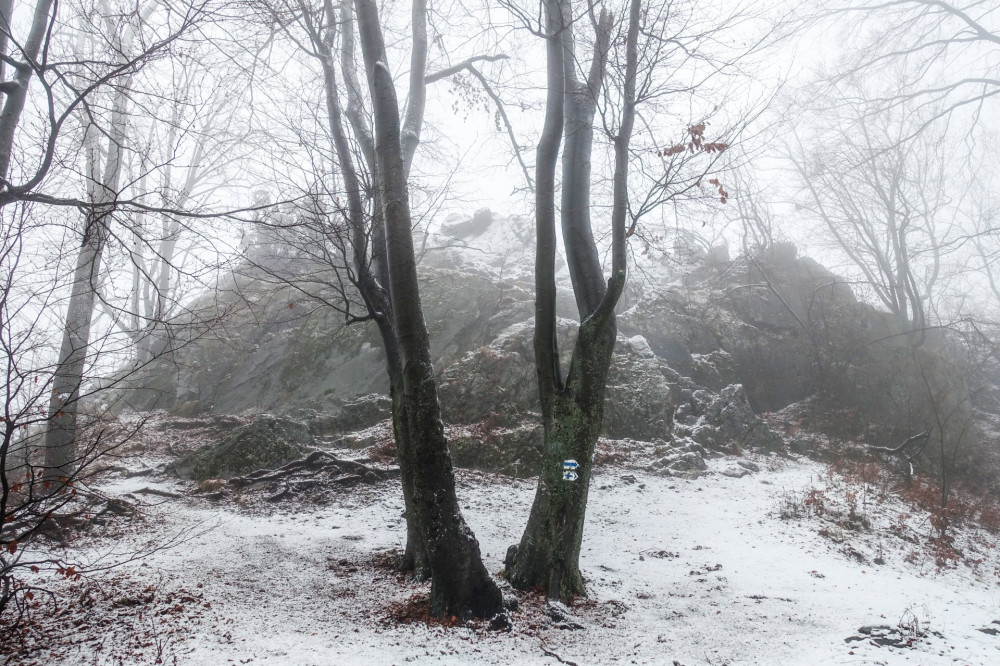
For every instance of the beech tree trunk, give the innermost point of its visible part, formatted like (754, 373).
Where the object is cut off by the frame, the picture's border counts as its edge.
(548, 554)
(17, 88)
(102, 190)
(60, 438)
(460, 583)
(368, 261)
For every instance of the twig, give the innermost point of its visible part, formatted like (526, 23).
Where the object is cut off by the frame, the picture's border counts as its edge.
(555, 655)
(925, 435)
(156, 491)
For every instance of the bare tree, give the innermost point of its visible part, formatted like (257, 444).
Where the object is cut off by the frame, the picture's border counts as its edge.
(885, 202)
(354, 251)
(572, 409)
(30, 503)
(339, 238)
(459, 581)
(945, 50)
(635, 48)
(103, 186)
(27, 159)
(24, 62)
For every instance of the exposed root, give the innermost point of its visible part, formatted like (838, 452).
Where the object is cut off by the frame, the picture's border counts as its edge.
(317, 471)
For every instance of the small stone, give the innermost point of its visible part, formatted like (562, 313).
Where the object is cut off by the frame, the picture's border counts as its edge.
(211, 485)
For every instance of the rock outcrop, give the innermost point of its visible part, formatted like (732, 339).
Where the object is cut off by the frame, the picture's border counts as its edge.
(497, 381)
(725, 421)
(266, 442)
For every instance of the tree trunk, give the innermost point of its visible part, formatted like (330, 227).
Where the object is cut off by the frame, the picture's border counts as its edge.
(60, 450)
(548, 554)
(460, 583)
(6, 8)
(102, 190)
(369, 285)
(18, 93)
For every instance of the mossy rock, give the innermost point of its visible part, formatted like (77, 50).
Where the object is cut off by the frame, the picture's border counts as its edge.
(497, 383)
(515, 451)
(265, 443)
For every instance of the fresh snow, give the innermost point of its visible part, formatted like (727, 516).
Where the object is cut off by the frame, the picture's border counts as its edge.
(690, 572)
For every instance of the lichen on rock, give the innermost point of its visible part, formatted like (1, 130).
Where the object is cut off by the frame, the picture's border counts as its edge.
(264, 443)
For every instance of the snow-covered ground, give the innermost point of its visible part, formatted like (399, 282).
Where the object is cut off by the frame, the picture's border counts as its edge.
(679, 572)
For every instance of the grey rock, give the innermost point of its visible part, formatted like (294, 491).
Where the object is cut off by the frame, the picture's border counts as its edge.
(729, 422)
(684, 459)
(470, 228)
(562, 617)
(497, 382)
(714, 370)
(266, 442)
(351, 415)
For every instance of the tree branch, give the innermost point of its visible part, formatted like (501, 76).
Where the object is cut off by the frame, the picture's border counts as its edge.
(465, 64)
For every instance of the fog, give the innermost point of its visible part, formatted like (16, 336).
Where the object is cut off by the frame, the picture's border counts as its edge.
(282, 206)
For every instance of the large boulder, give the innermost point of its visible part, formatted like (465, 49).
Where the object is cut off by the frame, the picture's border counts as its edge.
(497, 382)
(461, 229)
(638, 403)
(726, 421)
(264, 443)
(493, 381)
(349, 415)
(514, 451)
(715, 370)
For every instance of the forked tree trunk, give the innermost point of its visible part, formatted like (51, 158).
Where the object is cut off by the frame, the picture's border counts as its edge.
(369, 283)
(548, 554)
(460, 583)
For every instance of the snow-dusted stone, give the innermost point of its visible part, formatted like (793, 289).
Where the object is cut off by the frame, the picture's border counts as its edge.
(562, 617)
(714, 370)
(729, 422)
(497, 381)
(638, 403)
(351, 415)
(736, 471)
(685, 459)
(264, 443)
(469, 228)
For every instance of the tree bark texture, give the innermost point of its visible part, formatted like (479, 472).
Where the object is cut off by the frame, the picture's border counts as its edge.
(370, 287)
(460, 583)
(548, 554)
(60, 438)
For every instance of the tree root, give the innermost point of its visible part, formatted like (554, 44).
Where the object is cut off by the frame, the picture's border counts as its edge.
(317, 470)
